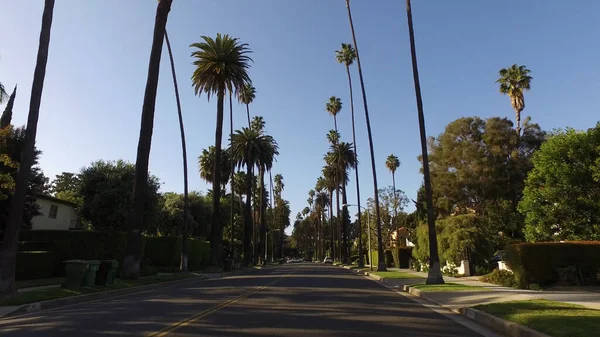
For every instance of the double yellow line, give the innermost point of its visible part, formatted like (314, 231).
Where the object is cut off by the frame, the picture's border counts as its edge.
(202, 314)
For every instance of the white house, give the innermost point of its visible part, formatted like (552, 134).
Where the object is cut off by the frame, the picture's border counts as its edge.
(56, 214)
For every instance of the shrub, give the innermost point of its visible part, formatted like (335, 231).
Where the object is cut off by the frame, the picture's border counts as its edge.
(535, 286)
(482, 270)
(148, 270)
(404, 255)
(389, 258)
(199, 254)
(539, 262)
(163, 251)
(35, 265)
(500, 277)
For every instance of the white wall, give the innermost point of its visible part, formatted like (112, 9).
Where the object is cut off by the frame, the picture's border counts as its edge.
(65, 215)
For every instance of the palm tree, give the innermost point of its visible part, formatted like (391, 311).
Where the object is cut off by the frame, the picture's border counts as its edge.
(265, 163)
(184, 239)
(346, 56)
(381, 258)
(435, 273)
(251, 147)
(513, 81)
(334, 106)
(206, 164)
(321, 200)
(232, 174)
(342, 157)
(392, 163)
(278, 189)
(247, 96)
(221, 65)
(9, 245)
(329, 177)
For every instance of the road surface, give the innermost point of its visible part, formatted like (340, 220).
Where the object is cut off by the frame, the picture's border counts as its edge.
(291, 300)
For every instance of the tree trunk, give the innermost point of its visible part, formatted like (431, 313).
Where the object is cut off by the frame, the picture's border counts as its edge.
(331, 226)
(361, 261)
(231, 245)
(184, 238)
(346, 226)
(248, 113)
(518, 119)
(381, 263)
(261, 216)
(335, 123)
(216, 234)
(9, 245)
(435, 273)
(338, 230)
(248, 232)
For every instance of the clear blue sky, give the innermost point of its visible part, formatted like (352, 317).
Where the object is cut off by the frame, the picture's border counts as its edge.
(99, 57)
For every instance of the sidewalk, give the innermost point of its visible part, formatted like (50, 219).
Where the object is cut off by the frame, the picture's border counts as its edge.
(494, 293)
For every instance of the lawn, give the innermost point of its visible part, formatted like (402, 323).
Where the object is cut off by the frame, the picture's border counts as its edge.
(396, 275)
(446, 287)
(55, 293)
(553, 318)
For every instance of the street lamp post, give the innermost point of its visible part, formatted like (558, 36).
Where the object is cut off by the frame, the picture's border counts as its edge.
(266, 242)
(368, 235)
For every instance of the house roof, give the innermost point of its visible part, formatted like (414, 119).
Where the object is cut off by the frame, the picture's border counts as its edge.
(56, 200)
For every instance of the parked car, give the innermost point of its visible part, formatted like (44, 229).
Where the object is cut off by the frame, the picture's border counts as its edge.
(328, 260)
(295, 260)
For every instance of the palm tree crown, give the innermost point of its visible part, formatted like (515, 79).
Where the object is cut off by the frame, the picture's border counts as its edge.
(223, 61)
(333, 137)
(333, 107)
(513, 81)
(392, 163)
(346, 55)
(206, 162)
(252, 147)
(247, 94)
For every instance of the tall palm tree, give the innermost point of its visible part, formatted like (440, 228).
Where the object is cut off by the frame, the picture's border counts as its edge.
(342, 157)
(247, 96)
(381, 258)
(435, 273)
(184, 238)
(206, 164)
(334, 106)
(278, 189)
(321, 200)
(232, 174)
(346, 56)
(513, 81)
(251, 147)
(392, 163)
(221, 65)
(8, 247)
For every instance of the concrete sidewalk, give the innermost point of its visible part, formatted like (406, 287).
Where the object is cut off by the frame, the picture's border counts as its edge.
(494, 293)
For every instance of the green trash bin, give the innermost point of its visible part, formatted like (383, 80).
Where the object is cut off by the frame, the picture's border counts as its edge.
(75, 271)
(107, 272)
(90, 275)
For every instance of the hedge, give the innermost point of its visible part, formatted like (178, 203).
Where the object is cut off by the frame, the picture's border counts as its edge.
(165, 252)
(36, 265)
(538, 262)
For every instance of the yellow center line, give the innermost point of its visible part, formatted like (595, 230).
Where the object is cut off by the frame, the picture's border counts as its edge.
(202, 314)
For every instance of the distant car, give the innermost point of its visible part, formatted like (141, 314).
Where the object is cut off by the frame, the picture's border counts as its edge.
(295, 260)
(328, 260)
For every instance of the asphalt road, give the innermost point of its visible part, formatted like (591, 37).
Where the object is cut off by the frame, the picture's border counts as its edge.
(292, 300)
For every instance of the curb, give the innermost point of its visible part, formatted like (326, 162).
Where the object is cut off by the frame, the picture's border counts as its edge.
(489, 321)
(365, 273)
(67, 301)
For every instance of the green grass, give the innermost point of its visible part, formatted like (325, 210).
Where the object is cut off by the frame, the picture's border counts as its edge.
(553, 318)
(396, 275)
(447, 287)
(55, 293)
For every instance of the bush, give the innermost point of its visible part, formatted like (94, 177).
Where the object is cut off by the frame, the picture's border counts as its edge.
(539, 262)
(404, 255)
(535, 286)
(500, 277)
(163, 251)
(36, 265)
(148, 270)
(389, 258)
(199, 254)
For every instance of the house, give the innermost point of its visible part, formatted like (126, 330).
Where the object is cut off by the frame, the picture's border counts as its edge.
(403, 233)
(56, 214)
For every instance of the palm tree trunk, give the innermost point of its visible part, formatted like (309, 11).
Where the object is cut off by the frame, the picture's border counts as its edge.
(184, 238)
(361, 261)
(335, 123)
(346, 225)
(248, 226)
(272, 209)
(338, 226)
(435, 274)
(232, 174)
(8, 247)
(381, 258)
(131, 262)
(261, 216)
(518, 119)
(216, 234)
(248, 113)
(331, 226)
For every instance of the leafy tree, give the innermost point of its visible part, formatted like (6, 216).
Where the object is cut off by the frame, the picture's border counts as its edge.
(561, 200)
(65, 182)
(346, 56)
(8, 110)
(106, 188)
(381, 263)
(513, 81)
(221, 65)
(9, 244)
(390, 217)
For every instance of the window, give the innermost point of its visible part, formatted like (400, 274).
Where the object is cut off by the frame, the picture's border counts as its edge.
(53, 212)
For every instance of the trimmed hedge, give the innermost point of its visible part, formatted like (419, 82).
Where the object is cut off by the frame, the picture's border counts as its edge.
(36, 265)
(404, 255)
(538, 262)
(165, 252)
